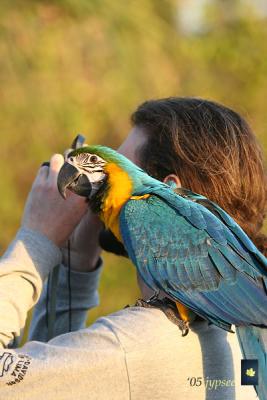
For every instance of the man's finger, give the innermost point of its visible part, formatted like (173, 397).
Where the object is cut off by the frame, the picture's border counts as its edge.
(45, 164)
(43, 171)
(56, 163)
(41, 176)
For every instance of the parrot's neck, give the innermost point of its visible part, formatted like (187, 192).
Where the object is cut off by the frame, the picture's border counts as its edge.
(120, 189)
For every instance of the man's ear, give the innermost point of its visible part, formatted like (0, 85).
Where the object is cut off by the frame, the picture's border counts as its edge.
(172, 180)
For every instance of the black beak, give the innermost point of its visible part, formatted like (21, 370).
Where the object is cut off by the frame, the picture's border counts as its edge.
(70, 178)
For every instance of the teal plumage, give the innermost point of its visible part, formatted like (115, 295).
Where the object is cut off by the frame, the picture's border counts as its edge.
(198, 267)
(188, 247)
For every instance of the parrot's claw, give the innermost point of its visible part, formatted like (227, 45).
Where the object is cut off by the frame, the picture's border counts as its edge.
(154, 296)
(168, 307)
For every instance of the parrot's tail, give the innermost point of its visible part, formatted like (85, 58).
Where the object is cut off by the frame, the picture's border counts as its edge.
(253, 343)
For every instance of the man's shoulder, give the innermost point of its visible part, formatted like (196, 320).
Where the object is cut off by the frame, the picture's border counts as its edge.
(136, 327)
(131, 325)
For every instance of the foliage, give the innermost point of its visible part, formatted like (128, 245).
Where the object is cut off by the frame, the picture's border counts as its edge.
(69, 66)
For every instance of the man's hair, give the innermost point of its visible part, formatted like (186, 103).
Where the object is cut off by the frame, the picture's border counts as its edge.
(213, 151)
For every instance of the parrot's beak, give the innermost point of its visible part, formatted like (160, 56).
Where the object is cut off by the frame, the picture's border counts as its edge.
(71, 178)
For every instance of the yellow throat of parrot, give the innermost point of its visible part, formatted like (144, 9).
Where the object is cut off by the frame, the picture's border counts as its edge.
(120, 190)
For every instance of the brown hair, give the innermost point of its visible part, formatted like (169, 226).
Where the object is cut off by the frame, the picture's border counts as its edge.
(213, 151)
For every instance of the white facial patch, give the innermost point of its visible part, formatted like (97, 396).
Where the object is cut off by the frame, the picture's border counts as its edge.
(90, 165)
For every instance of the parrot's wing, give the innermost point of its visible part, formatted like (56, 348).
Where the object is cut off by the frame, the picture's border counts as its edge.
(239, 240)
(209, 276)
(228, 221)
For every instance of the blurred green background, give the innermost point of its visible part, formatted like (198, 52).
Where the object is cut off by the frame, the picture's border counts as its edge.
(70, 66)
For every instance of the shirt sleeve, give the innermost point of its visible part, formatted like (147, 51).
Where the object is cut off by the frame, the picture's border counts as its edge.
(89, 363)
(23, 268)
(49, 370)
(76, 293)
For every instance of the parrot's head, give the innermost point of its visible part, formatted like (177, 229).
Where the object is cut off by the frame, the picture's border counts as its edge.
(89, 171)
(83, 172)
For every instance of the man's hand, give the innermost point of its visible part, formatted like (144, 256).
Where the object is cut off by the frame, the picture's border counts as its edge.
(46, 211)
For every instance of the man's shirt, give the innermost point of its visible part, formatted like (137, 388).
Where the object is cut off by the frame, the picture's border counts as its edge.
(135, 353)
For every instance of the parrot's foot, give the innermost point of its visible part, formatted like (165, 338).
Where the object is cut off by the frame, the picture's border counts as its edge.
(154, 296)
(168, 307)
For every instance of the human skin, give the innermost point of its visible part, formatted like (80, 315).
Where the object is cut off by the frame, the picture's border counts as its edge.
(46, 212)
(59, 219)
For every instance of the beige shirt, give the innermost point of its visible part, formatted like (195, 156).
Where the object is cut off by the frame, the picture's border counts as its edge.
(135, 353)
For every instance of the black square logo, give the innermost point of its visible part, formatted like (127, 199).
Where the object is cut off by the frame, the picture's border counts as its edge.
(249, 372)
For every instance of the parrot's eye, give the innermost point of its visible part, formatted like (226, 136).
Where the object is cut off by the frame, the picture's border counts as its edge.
(71, 159)
(93, 159)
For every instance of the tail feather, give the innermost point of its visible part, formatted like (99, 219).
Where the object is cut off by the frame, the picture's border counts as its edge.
(253, 343)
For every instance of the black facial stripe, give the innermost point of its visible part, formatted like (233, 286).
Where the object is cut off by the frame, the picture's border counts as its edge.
(92, 165)
(90, 170)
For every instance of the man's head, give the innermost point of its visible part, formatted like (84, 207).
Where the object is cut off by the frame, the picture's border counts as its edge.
(205, 147)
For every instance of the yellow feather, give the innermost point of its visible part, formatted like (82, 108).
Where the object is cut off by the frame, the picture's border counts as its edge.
(144, 196)
(183, 311)
(120, 190)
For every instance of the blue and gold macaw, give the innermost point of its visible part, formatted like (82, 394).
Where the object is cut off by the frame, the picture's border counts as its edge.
(181, 244)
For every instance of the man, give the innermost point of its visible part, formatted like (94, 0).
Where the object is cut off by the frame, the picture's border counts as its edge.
(134, 353)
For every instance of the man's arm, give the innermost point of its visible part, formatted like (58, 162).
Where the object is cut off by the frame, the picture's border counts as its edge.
(71, 305)
(83, 256)
(87, 364)
(70, 365)
(47, 223)
(22, 269)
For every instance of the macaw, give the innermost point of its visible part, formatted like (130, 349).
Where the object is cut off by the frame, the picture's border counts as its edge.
(181, 244)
